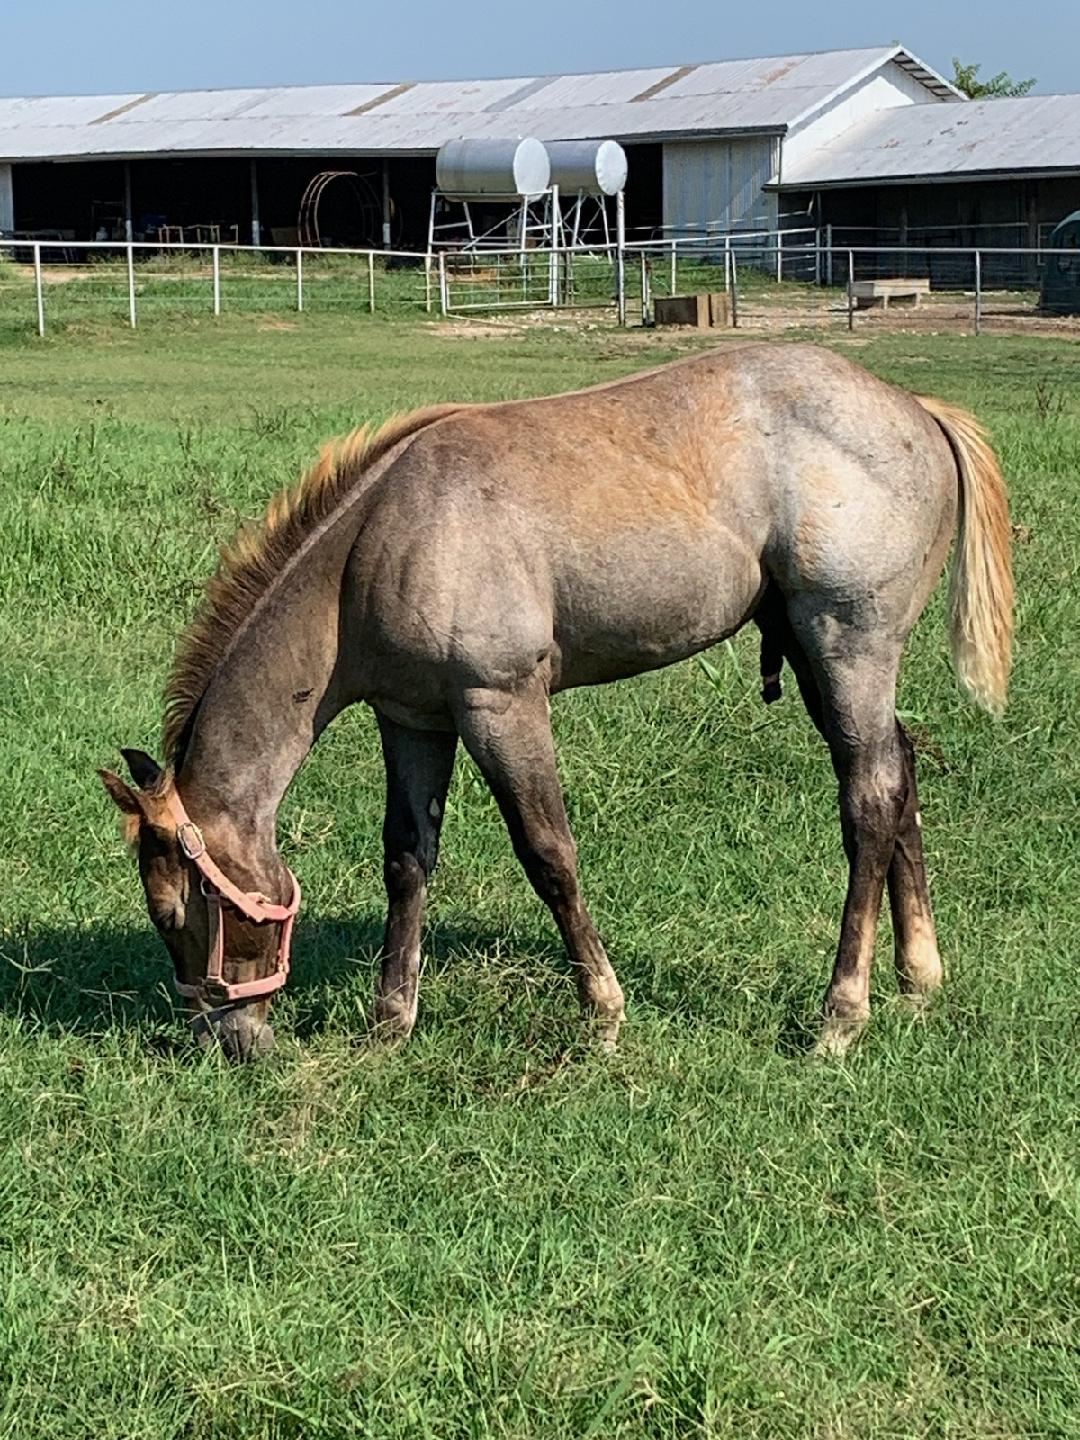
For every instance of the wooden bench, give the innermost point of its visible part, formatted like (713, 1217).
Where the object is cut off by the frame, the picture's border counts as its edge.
(867, 293)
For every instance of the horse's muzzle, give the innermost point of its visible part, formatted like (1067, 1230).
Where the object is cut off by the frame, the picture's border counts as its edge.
(236, 1029)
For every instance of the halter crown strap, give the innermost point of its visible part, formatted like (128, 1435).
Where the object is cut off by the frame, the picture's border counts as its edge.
(216, 887)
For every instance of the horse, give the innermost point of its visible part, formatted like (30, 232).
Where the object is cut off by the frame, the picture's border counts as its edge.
(461, 565)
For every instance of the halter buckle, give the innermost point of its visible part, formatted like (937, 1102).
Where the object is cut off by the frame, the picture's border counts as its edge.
(190, 839)
(216, 992)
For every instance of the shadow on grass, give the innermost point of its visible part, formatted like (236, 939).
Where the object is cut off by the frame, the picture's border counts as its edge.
(99, 978)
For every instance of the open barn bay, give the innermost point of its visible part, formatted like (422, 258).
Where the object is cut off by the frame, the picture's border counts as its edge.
(495, 1232)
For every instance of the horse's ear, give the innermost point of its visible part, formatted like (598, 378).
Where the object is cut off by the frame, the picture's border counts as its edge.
(122, 793)
(145, 771)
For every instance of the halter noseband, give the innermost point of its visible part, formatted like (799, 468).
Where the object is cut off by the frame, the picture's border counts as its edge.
(214, 989)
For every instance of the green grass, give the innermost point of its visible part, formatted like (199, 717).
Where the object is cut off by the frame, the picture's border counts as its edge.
(495, 1232)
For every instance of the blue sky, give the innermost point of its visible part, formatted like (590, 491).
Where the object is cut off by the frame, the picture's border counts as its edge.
(76, 46)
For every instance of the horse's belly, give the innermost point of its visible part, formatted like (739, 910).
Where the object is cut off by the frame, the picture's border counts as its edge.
(620, 616)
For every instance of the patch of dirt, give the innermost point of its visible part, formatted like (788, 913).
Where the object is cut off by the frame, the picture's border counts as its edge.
(278, 325)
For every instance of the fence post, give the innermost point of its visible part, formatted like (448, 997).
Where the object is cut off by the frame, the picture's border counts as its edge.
(851, 289)
(620, 256)
(734, 287)
(217, 279)
(299, 279)
(427, 282)
(978, 292)
(828, 255)
(817, 256)
(443, 295)
(727, 263)
(779, 255)
(371, 282)
(131, 283)
(39, 291)
(674, 267)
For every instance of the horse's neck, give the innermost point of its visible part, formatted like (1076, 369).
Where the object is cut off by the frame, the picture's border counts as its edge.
(261, 714)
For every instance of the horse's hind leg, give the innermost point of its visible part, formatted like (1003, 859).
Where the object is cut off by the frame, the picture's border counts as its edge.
(509, 737)
(918, 963)
(418, 769)
(855, 669)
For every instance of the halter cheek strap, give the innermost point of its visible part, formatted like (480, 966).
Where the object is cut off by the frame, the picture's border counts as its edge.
(218, 890)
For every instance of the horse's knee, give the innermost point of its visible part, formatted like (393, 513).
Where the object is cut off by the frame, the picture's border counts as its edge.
(404, 876)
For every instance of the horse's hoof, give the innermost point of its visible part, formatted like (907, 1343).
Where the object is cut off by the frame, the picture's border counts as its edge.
(393, 1022)
(604, 1030)
(838, 1035)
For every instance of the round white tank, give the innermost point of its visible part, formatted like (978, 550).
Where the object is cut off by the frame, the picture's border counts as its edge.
(597, 167)
(467, 169)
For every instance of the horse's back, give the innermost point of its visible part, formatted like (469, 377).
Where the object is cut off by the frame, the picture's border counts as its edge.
(613, 530)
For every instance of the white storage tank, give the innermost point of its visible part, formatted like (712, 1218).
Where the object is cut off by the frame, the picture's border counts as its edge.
(590, 167)
(468, 169)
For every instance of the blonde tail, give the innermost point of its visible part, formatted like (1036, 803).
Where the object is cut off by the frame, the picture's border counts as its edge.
(981, 582)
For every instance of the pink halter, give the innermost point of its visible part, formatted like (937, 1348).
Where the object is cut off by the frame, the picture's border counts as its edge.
(214, 989)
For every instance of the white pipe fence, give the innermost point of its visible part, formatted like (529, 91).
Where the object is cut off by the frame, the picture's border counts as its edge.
(66, 273)
(766, 274)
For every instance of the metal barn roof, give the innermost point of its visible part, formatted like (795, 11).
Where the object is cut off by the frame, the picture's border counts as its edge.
(980, 139)
(769, 94)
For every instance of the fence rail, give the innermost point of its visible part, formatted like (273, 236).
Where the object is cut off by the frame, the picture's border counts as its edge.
(791, 278)
(72, 279)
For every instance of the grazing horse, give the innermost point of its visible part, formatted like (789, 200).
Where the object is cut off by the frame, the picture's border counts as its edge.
(465, 563)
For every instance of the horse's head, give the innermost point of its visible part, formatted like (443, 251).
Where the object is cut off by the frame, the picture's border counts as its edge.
(229, 943)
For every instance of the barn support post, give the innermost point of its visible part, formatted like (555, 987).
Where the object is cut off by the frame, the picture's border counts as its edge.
(132, 319)
(828, 255)
(817, 256)
(371, 282)
(978, 292)
(1034, 243)
(620, 257)
(851, 289)
(299, 280)
(129, 223)
(256, 229)
(39, 291)
(7, 199)
(734, 289)
(385, 205)
(216, 260)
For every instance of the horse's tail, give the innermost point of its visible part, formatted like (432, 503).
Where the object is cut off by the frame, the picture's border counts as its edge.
(981, 582)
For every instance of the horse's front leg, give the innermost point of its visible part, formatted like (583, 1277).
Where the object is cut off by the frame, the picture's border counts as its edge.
(418, 768)
(509, 737)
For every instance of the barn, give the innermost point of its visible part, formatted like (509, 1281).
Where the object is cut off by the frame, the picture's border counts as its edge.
(999, 172)
(710, 146)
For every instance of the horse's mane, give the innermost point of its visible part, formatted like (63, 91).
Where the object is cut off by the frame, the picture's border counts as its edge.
(259, 552)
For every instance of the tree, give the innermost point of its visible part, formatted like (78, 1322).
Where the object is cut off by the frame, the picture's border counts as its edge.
(966, 78)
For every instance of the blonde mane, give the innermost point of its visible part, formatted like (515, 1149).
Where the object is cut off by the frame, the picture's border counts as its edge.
(255, 558)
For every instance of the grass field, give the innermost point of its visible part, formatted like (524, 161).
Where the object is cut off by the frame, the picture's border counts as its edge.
(495, 1232)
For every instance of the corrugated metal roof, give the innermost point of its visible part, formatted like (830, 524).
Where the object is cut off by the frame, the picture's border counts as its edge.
(733, 95)
(991, 137)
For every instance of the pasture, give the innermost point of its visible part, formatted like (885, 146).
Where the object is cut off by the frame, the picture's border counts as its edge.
(494, 1231)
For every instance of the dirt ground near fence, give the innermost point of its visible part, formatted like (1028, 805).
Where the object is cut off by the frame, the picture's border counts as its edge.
(948, 314)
